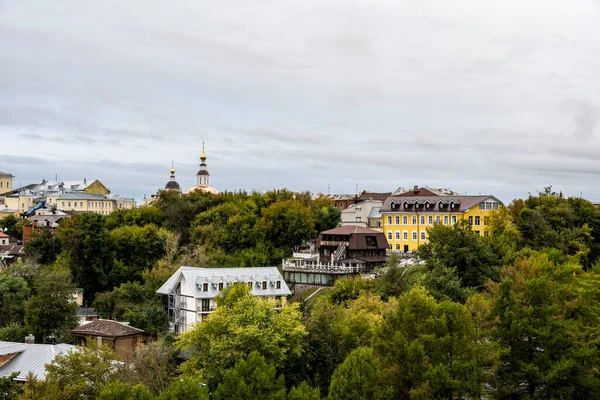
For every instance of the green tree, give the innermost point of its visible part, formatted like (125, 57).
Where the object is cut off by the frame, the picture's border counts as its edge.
(51, 312)
(9, 388)
(153, 366)
(123, 391)
(91, 254)
(187, 387)
(43, 248)
(326, 216)
(547, 317)
(360, 377)
(251, 378)
(13, 333)
(138, 248)
(286, 224)
(431, 349)
(140, 216)
(13, 293)
(304, 392)
(459, 247)
(10, 225)
(242, 323)
(83, 373)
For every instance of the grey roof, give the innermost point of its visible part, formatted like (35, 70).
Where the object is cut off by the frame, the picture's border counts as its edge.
(463, 202)
(195, 277)
(118, 197)
(375, 212)
(30, 358)
(81, 196)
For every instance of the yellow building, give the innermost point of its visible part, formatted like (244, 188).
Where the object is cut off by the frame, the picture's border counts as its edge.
(5, 182)
(83, 202)
(407, 216)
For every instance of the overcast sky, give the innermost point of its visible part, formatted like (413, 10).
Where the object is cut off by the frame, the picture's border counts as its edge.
(499, 97)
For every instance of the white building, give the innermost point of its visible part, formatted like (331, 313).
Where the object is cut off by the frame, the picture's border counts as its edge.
(358, 214)
(190, 292)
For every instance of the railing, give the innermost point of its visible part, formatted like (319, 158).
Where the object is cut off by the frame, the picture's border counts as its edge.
(319, 267)
(334, 243)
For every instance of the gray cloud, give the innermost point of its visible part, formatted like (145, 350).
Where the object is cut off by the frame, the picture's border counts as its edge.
(304, 95)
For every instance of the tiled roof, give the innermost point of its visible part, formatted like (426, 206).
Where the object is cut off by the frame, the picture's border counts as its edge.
(12, 249)
(3, 235)
(105, 327)
(30, 358)
(194, 278)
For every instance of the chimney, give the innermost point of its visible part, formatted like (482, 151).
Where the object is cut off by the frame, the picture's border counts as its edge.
(85, 181)
(416, 189)
(30, 339)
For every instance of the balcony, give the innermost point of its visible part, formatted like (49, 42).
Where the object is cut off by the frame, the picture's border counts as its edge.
(334, 243)
(323, 268)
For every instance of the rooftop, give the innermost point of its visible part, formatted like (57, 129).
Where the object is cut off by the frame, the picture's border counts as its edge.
(105, 327)
(348, 230)
(29, 358)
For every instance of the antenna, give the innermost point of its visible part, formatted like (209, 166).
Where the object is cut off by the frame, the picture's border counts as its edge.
(328, 189)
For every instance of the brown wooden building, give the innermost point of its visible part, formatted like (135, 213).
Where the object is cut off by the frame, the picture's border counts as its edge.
(122, 338)
(355, 243)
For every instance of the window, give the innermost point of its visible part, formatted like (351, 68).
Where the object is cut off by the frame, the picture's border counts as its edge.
(405, 235)
(378, 224)
(422, 220)
(81, 204)
(69, 204)
(205, 287)
(478, 220)
(397, 247)
(414, 220)
(264, 285)
(437, 219)
(454, 219)
(278, 285)
(430, 220)
(486, 233)
(488, 205)
(471, 220)
(405, 220)
(63, 203)
(397, 220)
(486, 220)
(422, 235)
(205, 304)
(220, 285)
(477, 233)
(390, 235)
(414, 236)
(389, 220)
(445, 220)
(397, 235)
(358, 219)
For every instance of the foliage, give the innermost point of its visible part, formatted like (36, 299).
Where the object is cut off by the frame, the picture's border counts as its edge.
(459, 247)
(153, 366)
(430, 349)
(123, 391)
(13, 293)
(10, 225)
(251, 378)
(51, 312)
(241, 324)
(187, 387)
(304, 392)
(13, 333)
(360, 377)
(43, 248)
(9, 388)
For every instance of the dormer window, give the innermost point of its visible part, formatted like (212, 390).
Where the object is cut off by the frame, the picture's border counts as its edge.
(205, 287)
(220, 285)
(264, 285)
(278, 285)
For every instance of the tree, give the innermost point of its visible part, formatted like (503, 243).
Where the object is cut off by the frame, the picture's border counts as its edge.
(459, 247)
(10, 225)
(187, 387)
(91, 254)
(13, 293)
(138, 248)
(251, 378)
(9, 388)
(304, 392)
(43, 248)
(82, 373)
(241, 324)
(430, 349)
(286, 224)
(153, 366)
(123, 391)
(360, 377)
(13, 333)
(547, 317)
(51, 312)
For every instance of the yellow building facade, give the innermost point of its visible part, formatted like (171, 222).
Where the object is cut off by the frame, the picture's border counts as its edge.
(6, 184)
(406, 219)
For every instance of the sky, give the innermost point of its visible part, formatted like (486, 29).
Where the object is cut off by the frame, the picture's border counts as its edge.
(486, 96)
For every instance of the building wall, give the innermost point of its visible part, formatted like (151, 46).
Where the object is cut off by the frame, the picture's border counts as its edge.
(97, 187)
(409, 236)
(99, 206)
(5, 184)
(358, 214)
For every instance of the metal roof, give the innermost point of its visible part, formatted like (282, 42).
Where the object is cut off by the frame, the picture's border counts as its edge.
(194, 278)
(106, 327)
(30, 358)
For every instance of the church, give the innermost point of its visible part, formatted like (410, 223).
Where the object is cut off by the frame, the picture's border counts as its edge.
(202, 179)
